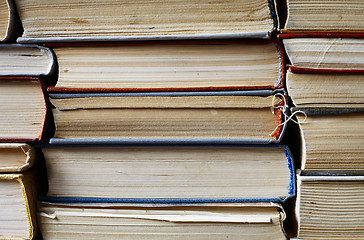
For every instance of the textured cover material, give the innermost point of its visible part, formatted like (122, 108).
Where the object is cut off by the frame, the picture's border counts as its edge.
(46, 117)
(278, 133)
(277, 85)
(327, 111)
(290, 189)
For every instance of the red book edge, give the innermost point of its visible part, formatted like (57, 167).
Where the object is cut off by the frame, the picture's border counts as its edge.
(289, 35)
(45, 118)
(279, 84)
(278, 131)
(294, 69)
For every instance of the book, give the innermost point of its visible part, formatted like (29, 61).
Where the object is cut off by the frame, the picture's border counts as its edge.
(10, 26)
(25, 60)
(330, 207)
(169, 173)
(332, 139)
(158, 221)
(169, 65)
(324, 16)
(325, 52)
(17, 207)
(166, 117)
(23, 109)
(325, 89)
(124, 20)
(16, 157)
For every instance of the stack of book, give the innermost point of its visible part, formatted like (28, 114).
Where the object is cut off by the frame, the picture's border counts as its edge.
(166, 124)
(22, 120)
(325, 45)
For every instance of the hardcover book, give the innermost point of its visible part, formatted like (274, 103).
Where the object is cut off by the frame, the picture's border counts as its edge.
(325, 52)
(332, 139)
(325, 90)
(16, 157)
(166, 117)
(23, 109)
(124, 20)
(158, 221)
(169, 65)
(25, 60)
(17, 207)
(10, 26)
(330, 207)
(324, 16)
(169, 174)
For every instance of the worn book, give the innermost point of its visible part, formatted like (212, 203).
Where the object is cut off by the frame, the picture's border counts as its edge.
(169, 174)
(10, 26)
(16, 157)
(124, 20)
(162, 221)
(166, 117)
(330, 207)
(169, 65)
(324, 16)
(325, 52)
(17, 207)
(332, 138)
(23, 109)
(25, 60)
(325, 89)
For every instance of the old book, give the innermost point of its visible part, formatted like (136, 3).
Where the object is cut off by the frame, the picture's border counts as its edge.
(330, 207)
(16, 157)
(10, 26)
(325, 89)
(332, 139)
(23, 109)
(320, 52)
(124, 20)
(169, 65)
(157, 221)
(172, 174)
(17, 207)
(325, 16)
(25, 60)
(165, 117)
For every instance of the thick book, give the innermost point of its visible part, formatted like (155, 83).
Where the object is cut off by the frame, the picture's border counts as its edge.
(169, 65)
(17, 207)
(332, 139)
(325, 52)
(10, 26)
(325, 89)
(25, 60)
(330, 207)
(162, 221)
(124, 20)
(23, 109)
(16, 157)
(169, 173)
(324, 16)
(167, 117)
